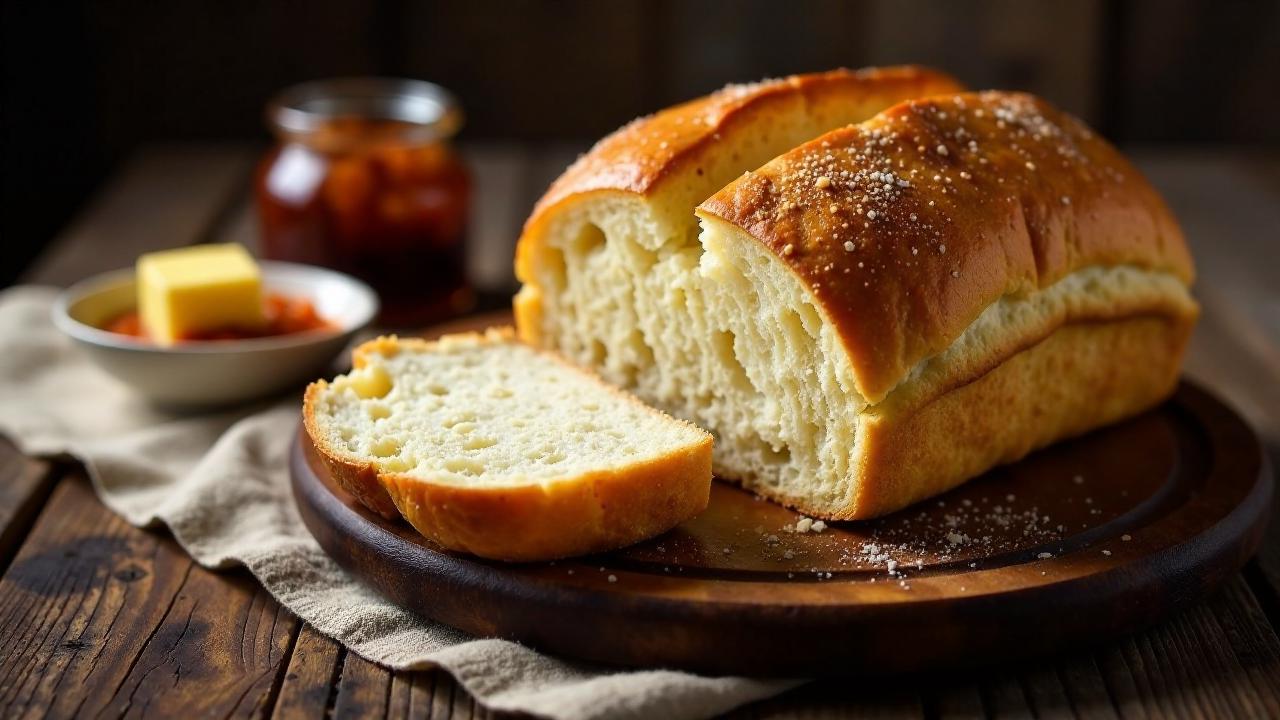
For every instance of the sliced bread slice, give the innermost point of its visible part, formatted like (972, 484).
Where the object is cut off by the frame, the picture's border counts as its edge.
(490, 447)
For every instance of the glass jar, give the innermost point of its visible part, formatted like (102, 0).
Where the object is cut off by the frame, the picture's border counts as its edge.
(363, 181)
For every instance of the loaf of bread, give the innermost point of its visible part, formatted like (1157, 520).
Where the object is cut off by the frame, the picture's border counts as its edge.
(490, 447)
(878, 313)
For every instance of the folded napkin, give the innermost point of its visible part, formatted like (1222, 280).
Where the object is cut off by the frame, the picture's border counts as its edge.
(220, 483)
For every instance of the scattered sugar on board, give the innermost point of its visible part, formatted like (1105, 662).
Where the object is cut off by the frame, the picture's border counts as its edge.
(989, 528)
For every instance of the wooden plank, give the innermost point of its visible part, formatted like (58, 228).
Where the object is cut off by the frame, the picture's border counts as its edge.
(1196, 664)
(323, 678)
(426, 694)
(25, 484)
(1046, 693)
(431, 694)
(1221, 659)
(96, 614)
(77, 597)
(1087, 689)
(308, 689)
(363, 689)
(163, 197)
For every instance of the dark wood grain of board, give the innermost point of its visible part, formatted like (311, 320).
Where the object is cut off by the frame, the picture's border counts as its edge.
(96, 615)
(1153, 514)
(324, 678)
(307, 689)
(431, 694)
(363, 689)
(25, 484)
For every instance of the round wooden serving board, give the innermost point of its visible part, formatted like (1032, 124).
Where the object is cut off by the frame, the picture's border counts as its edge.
(1100, 535)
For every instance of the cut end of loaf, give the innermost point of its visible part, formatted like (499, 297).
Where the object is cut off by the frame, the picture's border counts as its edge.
(489, 446)
(834, 292)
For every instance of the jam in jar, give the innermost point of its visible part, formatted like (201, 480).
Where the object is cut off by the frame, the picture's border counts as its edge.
(363, 181)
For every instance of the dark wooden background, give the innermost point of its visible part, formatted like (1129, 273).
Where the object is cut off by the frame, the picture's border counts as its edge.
(85, 84)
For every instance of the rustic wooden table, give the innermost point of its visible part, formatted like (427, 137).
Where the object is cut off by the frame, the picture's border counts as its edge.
(100, 618)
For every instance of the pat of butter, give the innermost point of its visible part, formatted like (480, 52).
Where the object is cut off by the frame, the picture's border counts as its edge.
(198, 289)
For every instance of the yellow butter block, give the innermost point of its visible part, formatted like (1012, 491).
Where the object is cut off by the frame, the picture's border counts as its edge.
(198, 289)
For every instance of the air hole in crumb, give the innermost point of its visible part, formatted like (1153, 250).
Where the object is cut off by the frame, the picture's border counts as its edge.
(811, 320)
(640, 256)
(643, 352)
(722, 342)
(437, 389)
(397, 464)
(780, 456)
(679, 300)
(479, 443)
(371, 381)
(464, 466)
(793, 326)
(464, 427)
(385, 447)
(378, 411)
(599, 353)
(694, 241)
(557, 270)
(461, 417)
(590, 239)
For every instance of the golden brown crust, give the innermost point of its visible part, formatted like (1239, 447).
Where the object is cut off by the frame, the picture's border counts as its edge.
(908, 226)
(640, 155)
(1083, 376)
(359, 479)
(591, 512)
(674, 147)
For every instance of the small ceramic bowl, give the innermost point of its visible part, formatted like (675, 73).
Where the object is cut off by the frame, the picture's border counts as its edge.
(213, 373)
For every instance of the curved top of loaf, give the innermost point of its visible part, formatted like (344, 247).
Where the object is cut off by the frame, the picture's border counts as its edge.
(907, 226)
(637, 157)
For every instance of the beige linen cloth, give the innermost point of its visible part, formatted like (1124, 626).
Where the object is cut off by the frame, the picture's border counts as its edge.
(220, 483)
